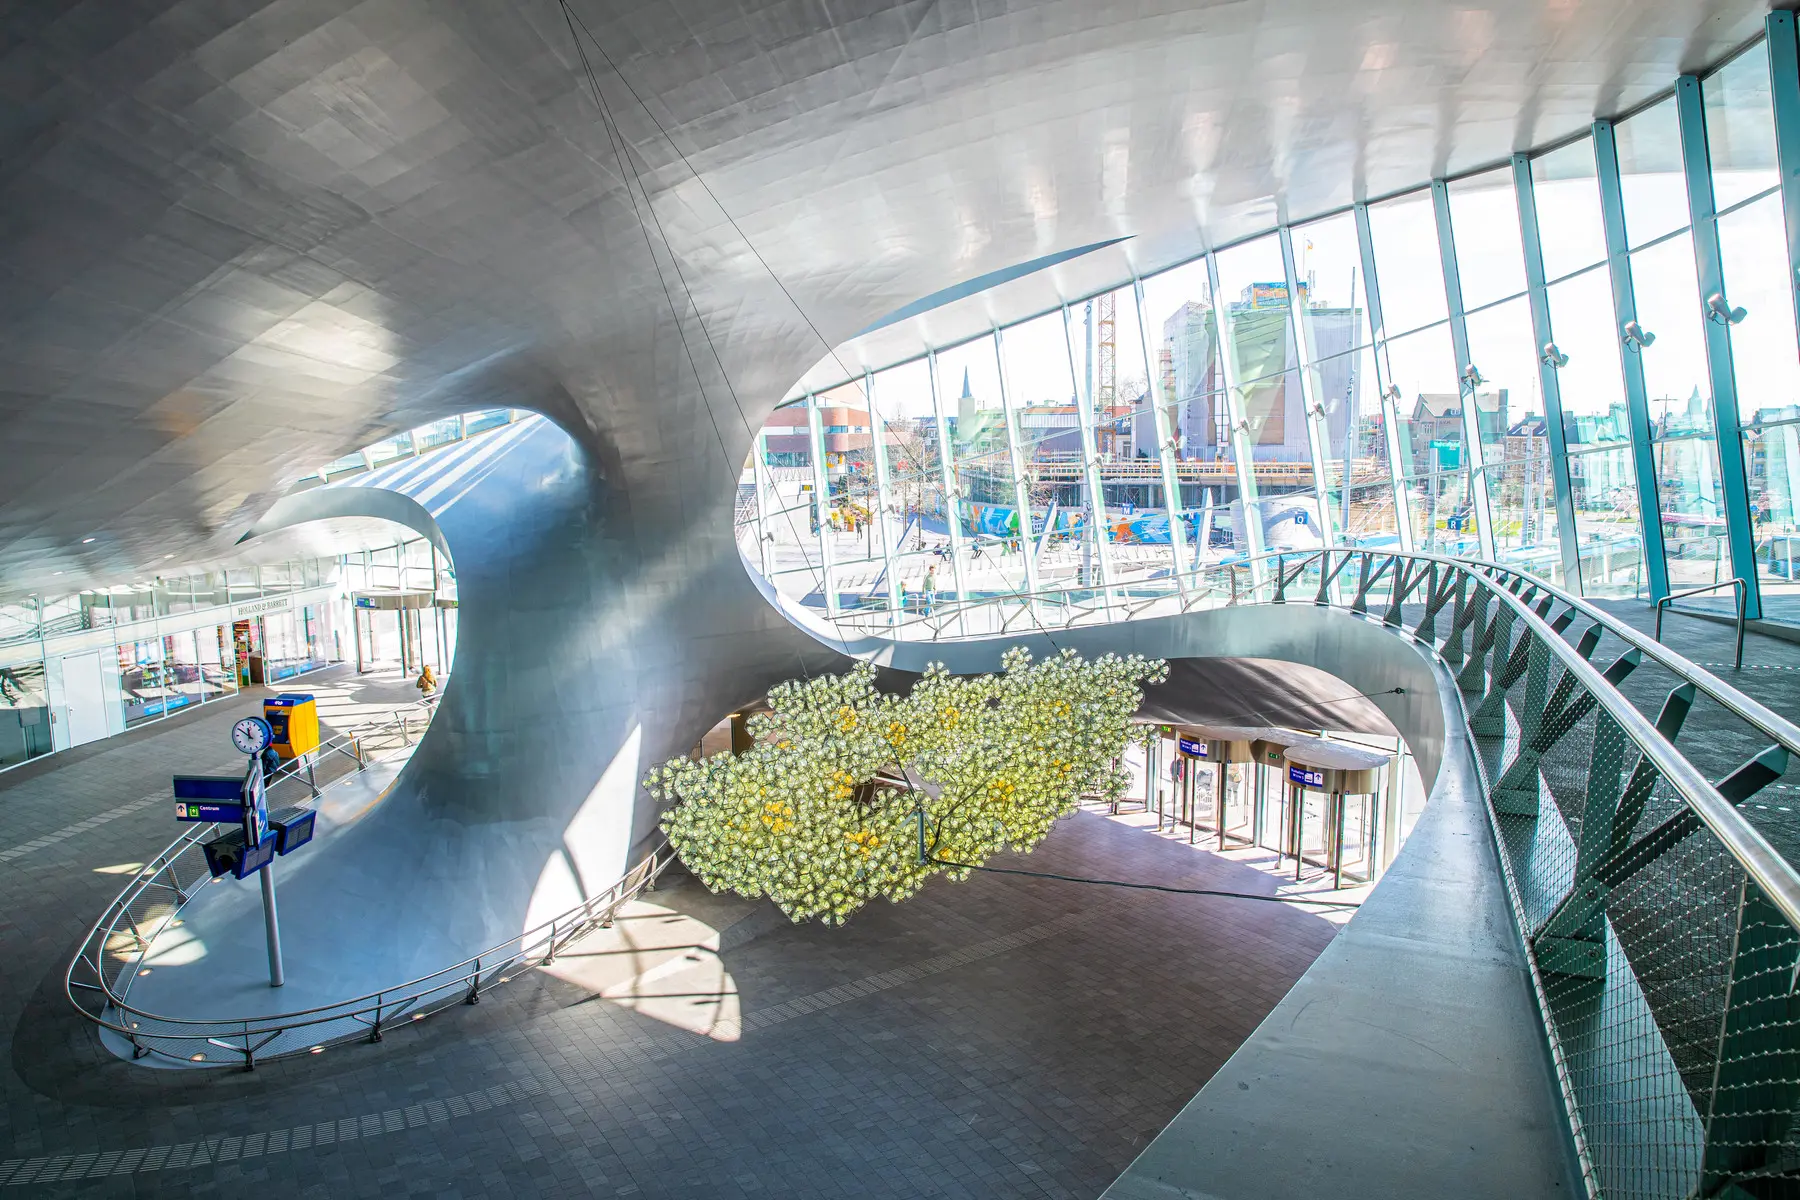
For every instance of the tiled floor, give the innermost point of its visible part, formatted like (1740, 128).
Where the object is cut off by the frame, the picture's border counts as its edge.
(1001, 1037)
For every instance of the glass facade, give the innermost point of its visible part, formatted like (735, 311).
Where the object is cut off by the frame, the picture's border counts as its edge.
(1518, 362)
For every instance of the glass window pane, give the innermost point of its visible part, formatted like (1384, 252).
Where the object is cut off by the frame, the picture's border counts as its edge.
(1178, 305)
(1591, 386)
(1675, 371)
(181, 670)
(1772, 458)
(1522, 503)
(1693, 524)
(917, 515)
(1650, 175)
(1567, 192)
(969, 380)
(217, 678)
(1253, 283)
(1740, 127)
(1484, 216)
(24, 712)
(1407, 265)
(1753, 245)
(1044, 414)
(1328, 259)
(850, 474)
(1509, 401)
(142, 687)
(1432, 450)
(1603, 485)
(19, 621)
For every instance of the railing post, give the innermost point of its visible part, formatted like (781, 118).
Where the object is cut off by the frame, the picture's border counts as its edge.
(474, 996)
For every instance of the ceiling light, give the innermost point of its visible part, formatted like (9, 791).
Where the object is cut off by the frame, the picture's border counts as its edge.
(86, 540)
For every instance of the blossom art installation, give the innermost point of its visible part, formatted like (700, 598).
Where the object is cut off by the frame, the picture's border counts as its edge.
(821, 814)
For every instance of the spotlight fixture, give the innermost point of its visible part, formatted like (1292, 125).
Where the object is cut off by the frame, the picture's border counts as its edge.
(1552, 356)
(1636, 336)
(1720, 312)
(1471, 376)
(1393, 392)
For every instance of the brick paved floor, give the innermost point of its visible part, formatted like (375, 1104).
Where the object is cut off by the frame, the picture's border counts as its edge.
(1000, 1037)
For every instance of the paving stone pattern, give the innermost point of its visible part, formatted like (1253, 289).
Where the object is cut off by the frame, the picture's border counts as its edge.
(999, 1037)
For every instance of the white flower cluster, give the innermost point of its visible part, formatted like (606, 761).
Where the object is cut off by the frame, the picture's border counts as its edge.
(802, 818)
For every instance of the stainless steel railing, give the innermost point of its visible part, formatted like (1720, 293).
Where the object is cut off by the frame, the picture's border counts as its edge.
(1648, 864)
(99, 978)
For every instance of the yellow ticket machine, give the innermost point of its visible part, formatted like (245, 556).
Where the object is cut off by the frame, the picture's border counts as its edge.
(294, 720)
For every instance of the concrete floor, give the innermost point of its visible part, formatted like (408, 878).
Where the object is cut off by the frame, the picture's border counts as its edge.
(1001, 1037)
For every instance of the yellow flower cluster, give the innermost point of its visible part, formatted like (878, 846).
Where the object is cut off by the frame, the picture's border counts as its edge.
(1007, 756)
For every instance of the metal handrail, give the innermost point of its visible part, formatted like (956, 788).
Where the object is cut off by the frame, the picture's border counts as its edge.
(1740, 591)
(367, 1012)
(1739, 705)
(1773, 873)
(1778, 878)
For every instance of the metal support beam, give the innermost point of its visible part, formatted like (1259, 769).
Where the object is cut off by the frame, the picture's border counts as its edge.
(1733, 486)
(1306, 351)
(1389, 393)
(1631, 361)
(1242, 453)
(947, 472)
(1098, 531)
(759, 476)
(1165, 448)
(1568, 536)
(1784, 90)
(815, 433)
(1015, 458)
(1466, 386)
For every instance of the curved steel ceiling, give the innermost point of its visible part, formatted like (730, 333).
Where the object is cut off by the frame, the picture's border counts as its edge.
(240, 239)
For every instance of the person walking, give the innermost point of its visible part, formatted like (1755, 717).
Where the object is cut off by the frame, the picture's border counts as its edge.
(426, 683)
(930, 596)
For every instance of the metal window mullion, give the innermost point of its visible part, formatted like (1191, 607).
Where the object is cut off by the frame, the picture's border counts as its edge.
(878, 442)
(947, 470)
(1734, 488)
(1090, 463)
(1390, 409)
(1784, 90)
(1539, 295)
(1015, 458)
(1242, 459)
(1165, 447)
(1466, 388)
(1631, 361)
(815, 435)
(1306, 352)
(764, 489)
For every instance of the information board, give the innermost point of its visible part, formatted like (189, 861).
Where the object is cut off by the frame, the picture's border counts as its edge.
(1306, 776)
(1193, 746)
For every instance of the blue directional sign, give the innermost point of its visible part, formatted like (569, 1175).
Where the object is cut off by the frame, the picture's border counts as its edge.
(210, 787)
(1192, 746)
(193, 810)
(1306, 776)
